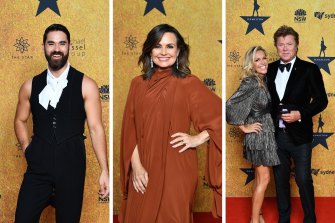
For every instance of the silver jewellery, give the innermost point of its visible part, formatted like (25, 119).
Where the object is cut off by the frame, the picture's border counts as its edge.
(177, 63)
(151, 63)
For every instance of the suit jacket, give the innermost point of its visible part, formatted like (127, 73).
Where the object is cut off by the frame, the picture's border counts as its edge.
(304, 92)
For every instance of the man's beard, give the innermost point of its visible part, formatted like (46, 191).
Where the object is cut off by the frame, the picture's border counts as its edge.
(57, 65)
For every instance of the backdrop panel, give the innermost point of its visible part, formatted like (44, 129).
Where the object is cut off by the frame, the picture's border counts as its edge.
(200, 24)
(22, 26)
(314, 21)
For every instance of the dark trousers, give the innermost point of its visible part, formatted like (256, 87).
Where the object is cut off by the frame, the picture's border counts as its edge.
(301, 156)
(53, 169)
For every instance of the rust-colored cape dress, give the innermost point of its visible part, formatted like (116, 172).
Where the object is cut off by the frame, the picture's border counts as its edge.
(155, 110)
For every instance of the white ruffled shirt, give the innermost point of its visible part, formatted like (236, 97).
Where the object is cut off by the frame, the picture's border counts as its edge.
(54, 88)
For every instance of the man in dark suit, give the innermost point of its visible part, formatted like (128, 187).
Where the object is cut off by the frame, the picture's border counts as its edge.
(297, 93)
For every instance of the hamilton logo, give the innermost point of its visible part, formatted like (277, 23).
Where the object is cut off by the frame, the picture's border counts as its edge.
(157, 4)
(322, 61)
(21, 45)
(320, 137)
(130, 42)
(250, 174)
(300, 16)
(255, 21)
(51, 4)
(210, 83)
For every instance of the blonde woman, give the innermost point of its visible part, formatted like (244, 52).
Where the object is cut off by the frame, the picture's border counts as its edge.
(249, 108)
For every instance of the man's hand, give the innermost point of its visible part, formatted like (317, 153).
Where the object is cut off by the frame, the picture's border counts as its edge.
(293, 116)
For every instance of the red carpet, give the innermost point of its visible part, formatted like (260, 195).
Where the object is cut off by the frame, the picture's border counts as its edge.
(238, 210)
(199, 217)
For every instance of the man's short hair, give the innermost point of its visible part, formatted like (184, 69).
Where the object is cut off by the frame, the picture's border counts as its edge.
(56, 27)
(284, 31)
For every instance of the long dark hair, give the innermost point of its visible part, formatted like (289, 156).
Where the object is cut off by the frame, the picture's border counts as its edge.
(153, 38)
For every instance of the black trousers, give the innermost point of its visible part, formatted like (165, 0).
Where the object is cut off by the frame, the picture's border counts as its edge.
(53, 169)
(301, 156)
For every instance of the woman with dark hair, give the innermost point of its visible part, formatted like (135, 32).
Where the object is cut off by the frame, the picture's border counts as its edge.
(249, 108)
(159, 171)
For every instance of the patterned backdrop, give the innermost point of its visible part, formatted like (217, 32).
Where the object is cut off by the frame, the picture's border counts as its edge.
(314, 21)
(22, 26)
(200, 24)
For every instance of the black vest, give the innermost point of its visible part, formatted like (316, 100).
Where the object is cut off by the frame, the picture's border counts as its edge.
(68, 118)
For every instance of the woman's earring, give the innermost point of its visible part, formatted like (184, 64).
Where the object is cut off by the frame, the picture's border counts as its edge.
(151, 63)
(177, 63)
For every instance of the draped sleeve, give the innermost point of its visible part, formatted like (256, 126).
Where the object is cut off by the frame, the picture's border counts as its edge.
(239, 105)
(128, 138)
(206, 114)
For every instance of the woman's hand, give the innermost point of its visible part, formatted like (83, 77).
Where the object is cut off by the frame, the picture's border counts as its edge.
(140, 175)
(255, 127)
(140, 178)
(188, 140)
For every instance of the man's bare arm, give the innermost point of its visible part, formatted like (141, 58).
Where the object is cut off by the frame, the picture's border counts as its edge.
(97, 133)
(22, 115)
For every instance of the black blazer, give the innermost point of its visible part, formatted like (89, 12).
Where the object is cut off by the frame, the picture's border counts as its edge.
(304, 92)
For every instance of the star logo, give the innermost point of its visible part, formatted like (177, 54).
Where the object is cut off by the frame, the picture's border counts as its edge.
(320, 137)
(250, 174)
(21, 45)
(322, 62)
(44, 4)
(234, 56)
(130, 42)
(255, 21)
(157, 4)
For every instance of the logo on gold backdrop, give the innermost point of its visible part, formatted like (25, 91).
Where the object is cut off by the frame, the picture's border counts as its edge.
(104, 93)
(322, 61)
(131, 46)
(320, 137)
(44, 4)
(321, 15)
(300, 16)
(154, 4)
(234, 56)
(103, 200)
(255, 21)
(250, 174)
(21, 46)
(210, 83)
(78, 47)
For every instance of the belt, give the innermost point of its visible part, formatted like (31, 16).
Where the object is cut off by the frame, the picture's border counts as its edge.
(283, 130)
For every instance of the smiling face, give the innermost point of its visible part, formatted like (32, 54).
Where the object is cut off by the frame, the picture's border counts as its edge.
(287, 48)
(260, 63)
(56, 50)
(165, 53)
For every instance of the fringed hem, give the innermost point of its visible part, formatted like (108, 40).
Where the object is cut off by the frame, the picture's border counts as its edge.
(261, 157)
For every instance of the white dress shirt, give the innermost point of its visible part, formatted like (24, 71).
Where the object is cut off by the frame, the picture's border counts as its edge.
(281, 82)
(54, 88)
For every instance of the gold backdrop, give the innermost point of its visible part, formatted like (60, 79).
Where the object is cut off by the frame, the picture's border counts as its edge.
(313, 20)
(21, 57)
(200, 24)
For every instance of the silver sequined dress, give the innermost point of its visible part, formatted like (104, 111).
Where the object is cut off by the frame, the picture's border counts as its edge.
(250, 104)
